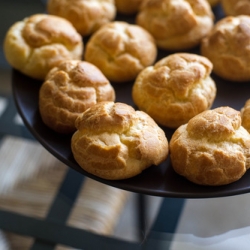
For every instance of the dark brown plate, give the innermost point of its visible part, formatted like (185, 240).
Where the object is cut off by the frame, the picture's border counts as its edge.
(157, 180)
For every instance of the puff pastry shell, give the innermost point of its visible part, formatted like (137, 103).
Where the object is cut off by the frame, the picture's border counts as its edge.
(236, 7)
(176, 24)
(40, 42)
(228, 48)
(175, 89)
(86, 16)
(113, 141)
(212, 148)
(69, 90)
(121, 50)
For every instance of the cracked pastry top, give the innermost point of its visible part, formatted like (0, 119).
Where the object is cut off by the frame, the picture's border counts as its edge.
(236, 7)
(39, 42)
(176, 24)
(69, 89)
(121, 50)
(113, 141)
(86, 16)
(212, 148)
(228, 48)
(175, 89)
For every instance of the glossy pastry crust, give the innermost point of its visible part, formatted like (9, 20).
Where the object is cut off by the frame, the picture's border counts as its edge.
(228, 48)
(113, 141)
(212, 148)
(176, 24)
(121, 50)
(86, 16)
(236, 7)
(175, 89)
(40, 42)
(69, 90)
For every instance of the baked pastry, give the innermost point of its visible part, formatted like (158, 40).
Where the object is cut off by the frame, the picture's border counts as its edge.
(175, 89)
(113, 141)
(121, 50)
(70, 89)
(236, 7)
(245, 115)
(128, 6)
(213, 2)
(40, 42)
(176, 24)
(212, 148)
(228, 48)
(86, 15)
